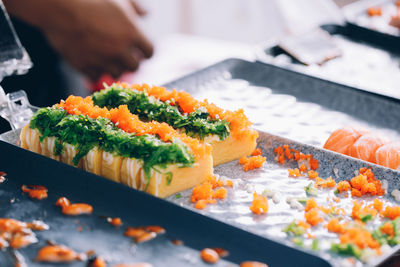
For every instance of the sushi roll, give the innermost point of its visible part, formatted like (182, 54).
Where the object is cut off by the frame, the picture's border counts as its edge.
(228, 132)
(151, 157)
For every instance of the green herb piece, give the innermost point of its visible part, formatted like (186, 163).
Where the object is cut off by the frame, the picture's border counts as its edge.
(315, 245)
(346, 249)
(298, 241)
(294, 229)
(302, 200)
(196, 124)
(177, 196)
(311, 190)
(85, 133)
(366, 218)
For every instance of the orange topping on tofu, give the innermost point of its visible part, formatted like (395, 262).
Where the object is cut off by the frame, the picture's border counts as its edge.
(131, 123)
(238, 122)
(259, 204)
(250, 163)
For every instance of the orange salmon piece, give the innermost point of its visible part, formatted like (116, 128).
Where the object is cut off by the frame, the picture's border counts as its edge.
(388, 155)
(342, 139)
(365, 147)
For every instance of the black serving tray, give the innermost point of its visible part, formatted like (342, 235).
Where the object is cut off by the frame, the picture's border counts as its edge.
(135, 208)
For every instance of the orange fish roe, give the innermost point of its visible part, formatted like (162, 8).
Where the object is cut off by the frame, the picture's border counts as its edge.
(359, 210)
(229, 183)
(259, 204)
(388, 229)
(359, 237)
(220, 193)
(366, 183)
(285, 151)
(334, 226)
(214, 181)
(256, 152)
(343, 186)
(392, 212)
(303, 224)
(131, 123)
(325, 183)
(201, 204)
(303, 168)
(238, 122)
(374, 11)
(378, 205)
(250, 163)
(310, 204)
(202, 191)
(294, 172)
(312, 174)
(203, 194)
(312, 217)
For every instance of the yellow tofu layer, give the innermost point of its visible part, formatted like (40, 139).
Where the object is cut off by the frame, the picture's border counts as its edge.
(232, 149)
(128, 171)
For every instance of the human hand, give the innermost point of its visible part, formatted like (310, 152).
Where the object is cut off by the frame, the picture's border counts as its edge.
(94, 36)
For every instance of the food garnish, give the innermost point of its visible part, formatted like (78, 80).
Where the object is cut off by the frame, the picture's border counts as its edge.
(35, 191)
(58, 254)
(144, 233)
(209, 255)
(259, 204)
(253, 162)
(115, 221)
(17, 234)
(209, 191)
(73, 209)
(253, 264)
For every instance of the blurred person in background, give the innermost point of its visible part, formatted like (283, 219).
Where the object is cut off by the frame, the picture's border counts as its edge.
(94, 37)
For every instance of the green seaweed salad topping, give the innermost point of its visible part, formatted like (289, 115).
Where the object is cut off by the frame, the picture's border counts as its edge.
(86, 133)
(196, 124)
